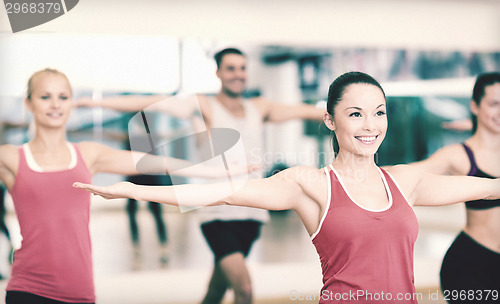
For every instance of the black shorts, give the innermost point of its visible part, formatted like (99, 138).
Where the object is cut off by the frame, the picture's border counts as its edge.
(471, 269)
(227, 237)
(19, 297)
(150, 180)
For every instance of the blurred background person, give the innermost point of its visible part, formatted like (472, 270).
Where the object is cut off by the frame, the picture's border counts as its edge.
(55, 259)
(229, 231)
(472, 263)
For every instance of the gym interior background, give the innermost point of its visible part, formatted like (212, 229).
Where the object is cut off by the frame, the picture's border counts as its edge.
(425, 53)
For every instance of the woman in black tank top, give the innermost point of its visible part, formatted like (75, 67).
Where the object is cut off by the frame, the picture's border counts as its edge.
(471, 265)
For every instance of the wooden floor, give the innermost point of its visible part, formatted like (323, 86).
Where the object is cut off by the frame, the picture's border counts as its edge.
(283, 262)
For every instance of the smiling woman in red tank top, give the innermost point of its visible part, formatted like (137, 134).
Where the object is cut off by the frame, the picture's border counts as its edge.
(360, 217)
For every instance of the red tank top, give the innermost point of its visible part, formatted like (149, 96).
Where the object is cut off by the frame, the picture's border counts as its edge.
(55, 259)
(366, 255)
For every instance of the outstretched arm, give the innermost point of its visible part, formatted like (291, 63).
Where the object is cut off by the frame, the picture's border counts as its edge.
(426, 189)
(101, 158)
(178, 106)
(449, 160)
(444, 190)
(277, 112)
(125, 103)
(273, 193)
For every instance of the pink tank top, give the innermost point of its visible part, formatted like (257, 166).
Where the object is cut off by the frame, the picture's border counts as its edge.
(366, 255)
(55, 259)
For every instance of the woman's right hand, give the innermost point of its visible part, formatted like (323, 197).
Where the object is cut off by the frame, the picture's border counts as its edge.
(118, 190)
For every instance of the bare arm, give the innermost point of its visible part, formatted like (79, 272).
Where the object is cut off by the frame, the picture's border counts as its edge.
(125, 103)
(449, 160)
(178, 106)
(274, 193)
(435, 190)
(101, 158)
(9, 160)
(277, 112)
(426, 189)
(458, 125)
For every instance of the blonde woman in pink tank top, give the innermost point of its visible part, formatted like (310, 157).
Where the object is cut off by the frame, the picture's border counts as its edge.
(54, 263)
(359, 216)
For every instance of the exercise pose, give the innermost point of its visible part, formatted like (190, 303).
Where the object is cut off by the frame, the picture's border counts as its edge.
(471, 265)
(54, 262)
(229, 231)
(359, 216)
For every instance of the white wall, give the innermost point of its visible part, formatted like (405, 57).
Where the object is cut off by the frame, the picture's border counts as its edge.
(427, 24)
(117, 62)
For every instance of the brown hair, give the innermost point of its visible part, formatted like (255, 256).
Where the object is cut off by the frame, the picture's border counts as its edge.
(218, 57)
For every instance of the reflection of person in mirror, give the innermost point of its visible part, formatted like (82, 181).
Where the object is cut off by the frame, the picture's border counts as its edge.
(229, 231)
(359, 216)
(472, 263)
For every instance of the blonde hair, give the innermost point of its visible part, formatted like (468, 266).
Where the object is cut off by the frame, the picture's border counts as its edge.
(29, 91)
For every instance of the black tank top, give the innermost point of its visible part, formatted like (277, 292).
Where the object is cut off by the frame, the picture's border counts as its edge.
(475, 171)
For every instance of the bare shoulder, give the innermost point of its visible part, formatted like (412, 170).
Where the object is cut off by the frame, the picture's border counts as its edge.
(453, 158)
(90, 150)
(89, 146)
(261, 102)
(9, 164)
(9, 154)
(263, 105)
(310, 174)
(301, 174)
(312, 182)
(8, 148)
(202, 99)
(398, 169)
(205, 108)
(448, 160)
(458, 159)
(301, 179)
(313, 199)
(405, 175)
(454, 153)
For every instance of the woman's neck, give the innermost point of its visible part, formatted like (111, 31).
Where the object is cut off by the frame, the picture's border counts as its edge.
(486, 139)
(354, 167)
(48, 140)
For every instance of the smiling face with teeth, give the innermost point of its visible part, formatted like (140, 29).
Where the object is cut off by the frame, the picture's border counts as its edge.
(232, 74)
(357, 114)
(360, 121)
(49, 99)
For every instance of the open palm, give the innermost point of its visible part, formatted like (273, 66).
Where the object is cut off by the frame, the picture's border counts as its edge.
(118, 190)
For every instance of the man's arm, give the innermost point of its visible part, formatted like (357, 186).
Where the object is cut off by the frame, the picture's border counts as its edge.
(178, 106)
(124, 103)
(277, 112)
